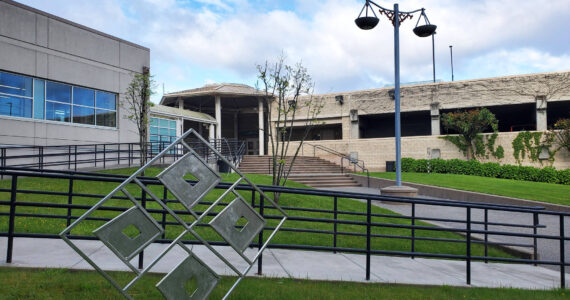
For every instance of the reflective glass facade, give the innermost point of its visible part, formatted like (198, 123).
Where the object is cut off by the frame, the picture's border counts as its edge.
(27, 97)
(162, 133)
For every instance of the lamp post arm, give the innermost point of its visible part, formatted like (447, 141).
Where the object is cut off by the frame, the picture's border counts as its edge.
(391, 10)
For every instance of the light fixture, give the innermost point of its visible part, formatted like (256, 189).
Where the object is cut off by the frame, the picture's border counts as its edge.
(339, 99)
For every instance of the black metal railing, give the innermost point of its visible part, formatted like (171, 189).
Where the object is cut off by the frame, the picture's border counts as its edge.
(74, 157)
(355, 162)
(343, 223)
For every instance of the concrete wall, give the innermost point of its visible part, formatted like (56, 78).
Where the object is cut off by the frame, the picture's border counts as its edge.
(41, 45)
(375, 152)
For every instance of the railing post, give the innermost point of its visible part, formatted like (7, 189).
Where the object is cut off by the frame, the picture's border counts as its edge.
(69, 157)
(69, 200)
(413, 228)
(118, 154)
(104, 156)
(368, 224)
(486, 221)
(95, 155)
(41, 159)
(468, 234)
(335, 219)
(562, 255)
(260, 239)
(130, 153)
(165, 200)
(3, 160)
(141, 255)
(534, 239)
(75, 162)
(11, 221)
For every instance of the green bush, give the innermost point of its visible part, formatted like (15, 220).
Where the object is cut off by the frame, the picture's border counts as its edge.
(490, 169)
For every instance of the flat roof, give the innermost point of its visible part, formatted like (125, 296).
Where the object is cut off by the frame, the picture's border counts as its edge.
(182, 113)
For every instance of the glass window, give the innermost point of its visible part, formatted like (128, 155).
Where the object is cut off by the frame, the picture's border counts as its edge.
(172, 124)
(15, 106)
(58, 92)
(154, 130)
(83, 96)
(83, 115)
(165, 139)
(172, 132)
(153, 138)
(163, 131)
(163, 123)
(106, 100)
(39, 95)
(153, 122)
(15, 84)
(106, 118)
(58, 111)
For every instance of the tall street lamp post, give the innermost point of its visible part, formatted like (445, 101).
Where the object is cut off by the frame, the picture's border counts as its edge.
(367, 22)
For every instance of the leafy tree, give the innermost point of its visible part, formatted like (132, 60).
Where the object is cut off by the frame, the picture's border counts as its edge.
(137, 103)
(289, 97)
(470, 125)
(562, 133)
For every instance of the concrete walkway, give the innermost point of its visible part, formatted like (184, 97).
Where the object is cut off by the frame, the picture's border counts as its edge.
(55, 253)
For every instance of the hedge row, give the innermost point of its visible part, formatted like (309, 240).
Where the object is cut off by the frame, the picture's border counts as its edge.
(489, 169)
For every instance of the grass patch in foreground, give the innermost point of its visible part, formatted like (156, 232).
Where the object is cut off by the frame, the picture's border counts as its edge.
(538, 191)
(70, 284)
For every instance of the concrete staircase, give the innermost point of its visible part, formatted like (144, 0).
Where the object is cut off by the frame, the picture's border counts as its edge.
(312, 171)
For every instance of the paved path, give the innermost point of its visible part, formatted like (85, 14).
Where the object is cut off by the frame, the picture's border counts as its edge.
(547, 249)
(55, 253)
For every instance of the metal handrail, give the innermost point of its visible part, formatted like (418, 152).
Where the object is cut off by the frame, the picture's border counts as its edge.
(369, 224)
(343, 156)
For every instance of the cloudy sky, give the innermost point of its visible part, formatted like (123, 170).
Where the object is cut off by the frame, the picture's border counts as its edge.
(194, 42)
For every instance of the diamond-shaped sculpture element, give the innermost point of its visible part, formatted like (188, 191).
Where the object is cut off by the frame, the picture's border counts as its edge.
(126, 247)
(173, 179)
(172, 285)
(224, 224)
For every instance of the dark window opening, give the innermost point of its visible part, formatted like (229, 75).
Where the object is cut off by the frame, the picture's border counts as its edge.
(321, 132)
(415, 123)
(557, 110)
(515, 117)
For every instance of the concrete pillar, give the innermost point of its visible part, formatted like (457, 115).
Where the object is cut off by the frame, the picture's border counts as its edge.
(180, 103)
(212, 134)
(435, 121)
(218, 110)
(541, 121)
(236, 124)
(261, 128)
(354, 124)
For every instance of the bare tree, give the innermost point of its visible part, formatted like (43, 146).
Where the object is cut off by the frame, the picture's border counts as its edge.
(137, 103)
(289, 97)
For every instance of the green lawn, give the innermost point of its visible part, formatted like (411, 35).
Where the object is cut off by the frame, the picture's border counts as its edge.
(54, 226)
(66, 284)
(538, 191)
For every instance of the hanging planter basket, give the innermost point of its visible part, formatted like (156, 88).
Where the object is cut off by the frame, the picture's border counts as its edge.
(424, 30)
(366, 23)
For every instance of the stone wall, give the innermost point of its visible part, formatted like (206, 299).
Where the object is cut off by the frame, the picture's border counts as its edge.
(375, 152)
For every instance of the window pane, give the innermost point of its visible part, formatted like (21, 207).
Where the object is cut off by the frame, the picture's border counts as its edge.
(163, 123)
(172, 132)
(83, 96)
(15, 84)
(154, 138)
(106, 118)
(15, 106)
(153, 122)
(58, 92)
(172, 124)
(39, 95)
(163, 131)
(83, 115)
(154, 130)
(106, 100)
(58, 112)
(165, 139)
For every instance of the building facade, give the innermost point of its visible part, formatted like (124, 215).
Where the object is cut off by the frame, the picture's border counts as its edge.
(61, 83)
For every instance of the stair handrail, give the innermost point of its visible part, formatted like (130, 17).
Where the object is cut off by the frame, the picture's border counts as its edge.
(354, 161)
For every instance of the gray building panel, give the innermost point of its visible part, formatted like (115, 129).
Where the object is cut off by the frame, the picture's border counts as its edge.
(17, 23)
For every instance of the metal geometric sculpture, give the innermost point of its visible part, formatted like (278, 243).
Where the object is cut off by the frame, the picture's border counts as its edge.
(132, 231)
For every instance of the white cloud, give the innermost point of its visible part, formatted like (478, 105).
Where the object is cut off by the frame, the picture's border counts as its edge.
(223, 40)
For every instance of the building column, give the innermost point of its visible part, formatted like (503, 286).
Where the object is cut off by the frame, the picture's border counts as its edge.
(218, 110)
(435, 120)
(212, 134)
(541, 121)
(180, 103)
(236, 124)
(354, 124)
(261, 128)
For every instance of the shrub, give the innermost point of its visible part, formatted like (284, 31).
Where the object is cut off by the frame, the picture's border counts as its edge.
(407, 164)
(421, 166)
(439, 165)
(564, 176)
(490, 169)
(547, 174)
